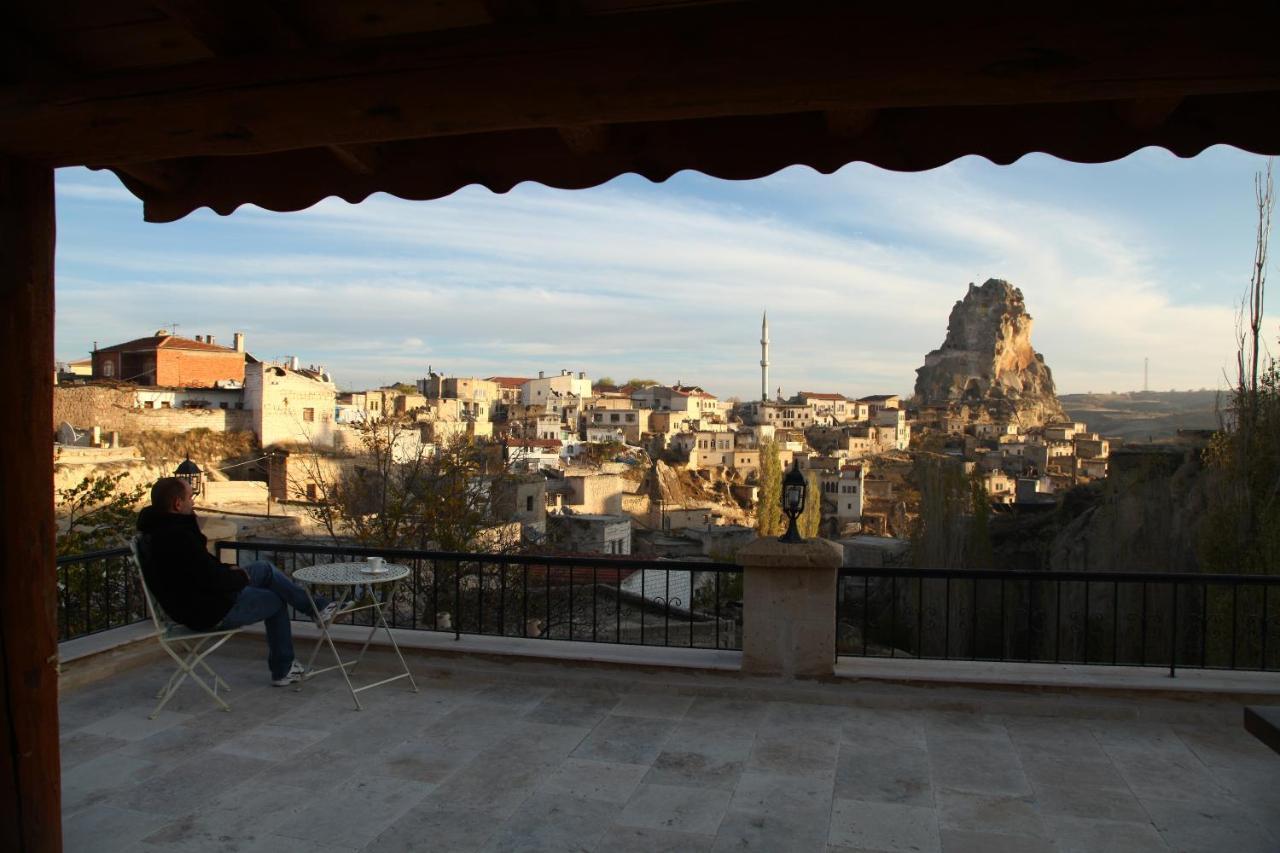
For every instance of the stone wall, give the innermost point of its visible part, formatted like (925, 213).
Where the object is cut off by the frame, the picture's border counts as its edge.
(86, 406)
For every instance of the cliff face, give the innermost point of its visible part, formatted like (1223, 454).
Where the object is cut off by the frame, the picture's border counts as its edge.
(987, 365)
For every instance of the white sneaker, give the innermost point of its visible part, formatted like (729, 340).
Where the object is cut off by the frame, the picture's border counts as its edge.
(293, 676)
(326, 615)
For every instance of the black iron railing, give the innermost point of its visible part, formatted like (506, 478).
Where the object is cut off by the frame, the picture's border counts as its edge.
(588, 599)
(97, 591)
(1116, 618)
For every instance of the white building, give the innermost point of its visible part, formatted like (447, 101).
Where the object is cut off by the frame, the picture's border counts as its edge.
(538, 391)
(290, 405)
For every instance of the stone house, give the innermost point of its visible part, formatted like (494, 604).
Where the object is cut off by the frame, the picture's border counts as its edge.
(899, 435)
(782, 415)
(1092, 446)
(838, 408)
(630, 423)
(508, 390)
(171, 361)
(879, 402)
(290, 406)
(537, 391)
(843, 492)
(533, 454)
(594, 494)
(590, 534)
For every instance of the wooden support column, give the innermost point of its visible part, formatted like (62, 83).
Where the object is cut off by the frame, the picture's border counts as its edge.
(30, 793)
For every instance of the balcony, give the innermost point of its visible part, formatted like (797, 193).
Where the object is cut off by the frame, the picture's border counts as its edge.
(543, 754)
(549, 735)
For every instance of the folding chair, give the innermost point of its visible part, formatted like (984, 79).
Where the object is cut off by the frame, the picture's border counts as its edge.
(188, 648)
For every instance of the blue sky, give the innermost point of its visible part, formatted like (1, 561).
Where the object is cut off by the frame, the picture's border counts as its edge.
(1145, 257)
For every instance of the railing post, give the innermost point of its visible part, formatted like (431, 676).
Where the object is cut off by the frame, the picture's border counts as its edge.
(1173, 632)
(789, 592)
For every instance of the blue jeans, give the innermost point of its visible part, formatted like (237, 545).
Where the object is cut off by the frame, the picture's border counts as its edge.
(267, 599)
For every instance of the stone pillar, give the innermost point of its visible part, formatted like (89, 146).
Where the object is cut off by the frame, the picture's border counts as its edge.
(789, 607)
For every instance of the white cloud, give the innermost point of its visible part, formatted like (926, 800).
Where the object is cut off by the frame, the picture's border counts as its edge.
(671, 285)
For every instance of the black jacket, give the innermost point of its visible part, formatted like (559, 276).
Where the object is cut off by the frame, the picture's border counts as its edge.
(190, 584)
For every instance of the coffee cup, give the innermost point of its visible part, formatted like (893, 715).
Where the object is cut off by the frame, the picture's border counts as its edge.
(377, 564)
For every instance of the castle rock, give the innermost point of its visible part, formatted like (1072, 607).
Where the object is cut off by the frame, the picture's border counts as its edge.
(986, 369)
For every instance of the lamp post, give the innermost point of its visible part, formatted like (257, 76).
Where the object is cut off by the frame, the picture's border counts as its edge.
(190, 472)
(794, 488)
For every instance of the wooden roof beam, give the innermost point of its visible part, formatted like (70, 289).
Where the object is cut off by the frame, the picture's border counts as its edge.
(246, 27)
(705, 61)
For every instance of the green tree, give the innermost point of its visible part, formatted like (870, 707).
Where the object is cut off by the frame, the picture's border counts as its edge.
(99, 512)
(810, 521)
(939, 537)
(642, 383)
(769, 479)
(978, 553)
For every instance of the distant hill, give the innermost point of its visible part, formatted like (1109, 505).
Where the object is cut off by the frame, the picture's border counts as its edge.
(1137, 415)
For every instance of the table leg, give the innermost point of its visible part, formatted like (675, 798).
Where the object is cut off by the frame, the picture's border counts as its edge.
(325, 637)
(391, 600)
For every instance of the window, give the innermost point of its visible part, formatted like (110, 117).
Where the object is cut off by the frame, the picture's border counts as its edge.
(108, 369)
(528, 503)
(613, 419)
(222, 405)
(313, 494)
(308, 415)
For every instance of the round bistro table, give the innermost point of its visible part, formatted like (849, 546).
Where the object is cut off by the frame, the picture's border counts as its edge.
(346, 577)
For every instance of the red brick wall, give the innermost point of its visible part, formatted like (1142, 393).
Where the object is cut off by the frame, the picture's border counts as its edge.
(191, 369)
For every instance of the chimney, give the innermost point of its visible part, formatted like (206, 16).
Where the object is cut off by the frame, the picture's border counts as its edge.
(293, 362)
(540, 374)
(199, 339)
(238, 337)
(208, 339)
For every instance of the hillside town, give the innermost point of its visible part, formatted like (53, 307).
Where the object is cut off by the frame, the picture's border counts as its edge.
(641, 467)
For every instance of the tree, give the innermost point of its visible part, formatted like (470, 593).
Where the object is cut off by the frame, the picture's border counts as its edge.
(811, 519)
(978, 553)
(642, 383)
(99, 512)
(398, 491)
(769, 503)
(939, 538)
(1241, 532)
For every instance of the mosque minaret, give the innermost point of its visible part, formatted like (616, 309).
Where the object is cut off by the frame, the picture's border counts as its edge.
(764, 358)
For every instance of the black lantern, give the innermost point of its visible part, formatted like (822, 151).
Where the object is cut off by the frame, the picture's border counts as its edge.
(191, 472)
(793, 495)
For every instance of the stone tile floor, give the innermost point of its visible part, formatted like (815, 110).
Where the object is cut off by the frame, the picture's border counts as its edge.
(528, 756)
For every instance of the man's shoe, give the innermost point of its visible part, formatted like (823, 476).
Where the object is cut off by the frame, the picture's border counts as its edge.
(293, 676)
(326, 615)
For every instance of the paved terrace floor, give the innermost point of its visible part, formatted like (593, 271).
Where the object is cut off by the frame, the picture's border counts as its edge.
(537, 755)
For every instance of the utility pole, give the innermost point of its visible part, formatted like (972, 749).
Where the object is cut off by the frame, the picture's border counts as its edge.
(1146, 364)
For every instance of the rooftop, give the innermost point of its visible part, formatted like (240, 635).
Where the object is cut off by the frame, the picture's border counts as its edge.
(543, 754)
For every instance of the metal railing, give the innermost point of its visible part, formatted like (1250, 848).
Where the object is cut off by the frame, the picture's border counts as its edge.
(587, 599)
(97, 591)
(1201, 621)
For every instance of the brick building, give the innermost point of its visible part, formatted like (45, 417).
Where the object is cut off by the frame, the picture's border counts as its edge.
(171, 361)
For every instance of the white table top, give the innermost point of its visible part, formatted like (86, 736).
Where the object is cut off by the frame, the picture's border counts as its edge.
(349, 574)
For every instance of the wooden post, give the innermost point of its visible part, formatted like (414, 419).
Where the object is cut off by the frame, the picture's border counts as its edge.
(30, 795)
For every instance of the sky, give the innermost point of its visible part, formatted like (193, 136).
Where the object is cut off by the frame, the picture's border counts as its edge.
(1146, 257)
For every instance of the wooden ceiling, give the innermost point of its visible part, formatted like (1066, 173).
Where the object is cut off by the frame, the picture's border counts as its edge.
(198, 103)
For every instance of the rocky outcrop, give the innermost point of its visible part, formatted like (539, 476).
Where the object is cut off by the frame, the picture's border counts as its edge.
(986, 368)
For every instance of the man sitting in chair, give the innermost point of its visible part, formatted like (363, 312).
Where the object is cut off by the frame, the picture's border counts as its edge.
(203, 594)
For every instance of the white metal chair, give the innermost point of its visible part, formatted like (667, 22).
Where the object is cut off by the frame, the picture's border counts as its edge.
(188, 648)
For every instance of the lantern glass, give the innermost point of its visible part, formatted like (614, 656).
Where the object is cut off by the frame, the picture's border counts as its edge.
(794, 488)
(191, 473)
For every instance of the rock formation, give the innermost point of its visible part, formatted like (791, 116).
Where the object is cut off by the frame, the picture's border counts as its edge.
(986, 368)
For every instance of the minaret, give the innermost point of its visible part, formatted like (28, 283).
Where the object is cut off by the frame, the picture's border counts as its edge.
(764, 358)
